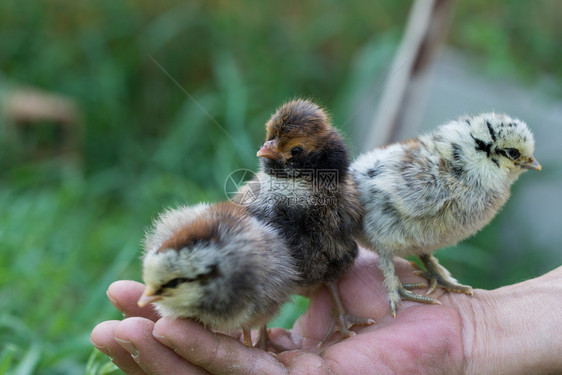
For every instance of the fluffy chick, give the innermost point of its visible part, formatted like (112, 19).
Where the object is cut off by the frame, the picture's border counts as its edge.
(217, 265)
(305, 191)
(434, 191)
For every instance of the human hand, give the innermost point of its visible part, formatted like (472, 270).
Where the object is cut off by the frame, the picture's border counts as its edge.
(463, 335)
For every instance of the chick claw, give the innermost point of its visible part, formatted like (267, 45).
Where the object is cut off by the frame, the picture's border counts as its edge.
(343, 321)
(264, 341)
(406, 295)
(438, 276)
(342, 324)
(436, 280)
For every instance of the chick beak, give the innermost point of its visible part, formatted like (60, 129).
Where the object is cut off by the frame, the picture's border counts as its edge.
(148, 297)
(270, 150)
(532, 163)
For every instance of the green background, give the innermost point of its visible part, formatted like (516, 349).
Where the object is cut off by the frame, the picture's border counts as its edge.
(67, 231)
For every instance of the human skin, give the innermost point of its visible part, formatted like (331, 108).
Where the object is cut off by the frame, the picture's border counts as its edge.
(516, 329)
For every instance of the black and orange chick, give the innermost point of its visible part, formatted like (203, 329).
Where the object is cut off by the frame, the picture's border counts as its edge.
(305, 191)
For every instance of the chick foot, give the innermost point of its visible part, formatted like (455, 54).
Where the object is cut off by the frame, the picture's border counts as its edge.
(342, 321)
(247, 337)
(398, 292)
(264, 341)
(403, 291)
(438, 276)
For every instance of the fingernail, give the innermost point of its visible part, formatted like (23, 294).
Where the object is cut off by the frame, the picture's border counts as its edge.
(164, 340)
(113, 300)
(128, 346)
(103, 349)
(115, 303)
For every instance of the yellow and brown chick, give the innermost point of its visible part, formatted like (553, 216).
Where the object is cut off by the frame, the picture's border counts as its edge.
(305, 191)
(219, 266)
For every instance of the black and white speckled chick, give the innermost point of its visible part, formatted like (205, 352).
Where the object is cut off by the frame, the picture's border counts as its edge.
(217, 265)
(434, 191)
(305, 191)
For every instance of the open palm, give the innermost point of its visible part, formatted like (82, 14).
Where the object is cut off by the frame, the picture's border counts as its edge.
(422, 339)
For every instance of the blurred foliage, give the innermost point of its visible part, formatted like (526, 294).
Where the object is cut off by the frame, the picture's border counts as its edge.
(164, 87)
(512, 37)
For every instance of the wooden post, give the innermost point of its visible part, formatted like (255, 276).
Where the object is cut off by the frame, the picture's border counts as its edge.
(401, 106)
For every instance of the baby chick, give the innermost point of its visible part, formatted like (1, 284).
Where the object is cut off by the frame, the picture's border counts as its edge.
(305, 191)
(217, 265)
(434, 191)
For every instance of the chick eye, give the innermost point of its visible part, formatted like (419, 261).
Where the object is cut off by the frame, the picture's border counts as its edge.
(174, 283)
(512, 153)
(296, 151)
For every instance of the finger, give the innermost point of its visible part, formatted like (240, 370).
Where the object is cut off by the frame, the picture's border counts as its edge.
(362, 288)
(124, 295)
(102, 338)
(284, 338)
(312, 326)
(214, 352)
(301, 362)
(135, 336)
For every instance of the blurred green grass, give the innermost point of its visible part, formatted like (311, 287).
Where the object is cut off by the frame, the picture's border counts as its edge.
(67, 233)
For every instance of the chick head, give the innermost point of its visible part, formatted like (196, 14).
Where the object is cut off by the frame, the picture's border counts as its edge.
(300, 136)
